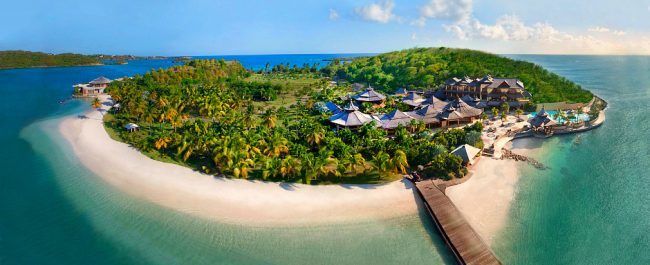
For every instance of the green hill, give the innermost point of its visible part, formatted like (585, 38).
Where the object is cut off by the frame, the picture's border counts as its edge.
(428, 68)
(26, 59)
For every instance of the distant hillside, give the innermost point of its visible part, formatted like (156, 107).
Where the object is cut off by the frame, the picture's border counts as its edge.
(430, 67)
(26, 59)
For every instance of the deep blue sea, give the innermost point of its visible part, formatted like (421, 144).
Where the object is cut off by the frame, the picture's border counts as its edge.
(590, 207)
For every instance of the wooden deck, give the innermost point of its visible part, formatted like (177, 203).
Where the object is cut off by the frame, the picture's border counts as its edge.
(463, 241)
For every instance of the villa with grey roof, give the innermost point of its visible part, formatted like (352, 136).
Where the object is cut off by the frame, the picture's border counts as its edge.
(93, 88)
(487, 91)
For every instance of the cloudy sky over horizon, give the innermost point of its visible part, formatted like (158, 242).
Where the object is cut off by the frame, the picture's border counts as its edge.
(200, 27)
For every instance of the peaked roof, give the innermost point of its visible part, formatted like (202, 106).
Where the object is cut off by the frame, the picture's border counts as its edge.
(350, 106)
(395, 118)
(542, 119)
(413, 99)
(428, 114)
(100, 80)
(506, 83)
(466, 152)
(351, 118)
(460, 108)
(401, 91)
(369, 95)
(332, 107)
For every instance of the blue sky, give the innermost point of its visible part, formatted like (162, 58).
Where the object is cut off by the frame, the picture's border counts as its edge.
(196, 27)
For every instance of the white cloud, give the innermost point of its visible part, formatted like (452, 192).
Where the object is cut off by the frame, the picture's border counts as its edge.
(455, 10)
(598, 29)
(544, 38)
(377, 12)
(334, 15)
(452, 10)
(414, 36)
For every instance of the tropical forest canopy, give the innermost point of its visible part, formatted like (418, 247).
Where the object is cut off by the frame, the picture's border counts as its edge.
(219, 118)
(25, 59)
(428, 68)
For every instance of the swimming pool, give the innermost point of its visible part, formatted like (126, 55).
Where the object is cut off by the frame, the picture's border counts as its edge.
(552, 113)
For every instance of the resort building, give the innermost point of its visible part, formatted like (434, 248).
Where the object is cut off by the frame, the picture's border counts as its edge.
(401, 92)
(493, 92)
(350, 117)
(458, 111)
(413, 99)
(467, 152)
(93, 88)
(394, 119)
(372, 96)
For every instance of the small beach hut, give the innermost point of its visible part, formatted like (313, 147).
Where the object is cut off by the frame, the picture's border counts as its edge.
(467, 152)
(131, 127)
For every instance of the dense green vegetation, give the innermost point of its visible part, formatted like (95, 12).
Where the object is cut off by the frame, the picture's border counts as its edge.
(25, 59)
(428, 68)
(217, 117)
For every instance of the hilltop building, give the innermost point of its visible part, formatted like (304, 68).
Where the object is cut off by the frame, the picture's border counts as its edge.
(487, 91)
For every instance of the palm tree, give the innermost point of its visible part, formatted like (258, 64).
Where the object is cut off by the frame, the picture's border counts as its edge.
(315, 136)
(504, 116)
(519, 112)
(269, 119)
(381, 161)
(495, 112)
(399, 162)
(96, 103)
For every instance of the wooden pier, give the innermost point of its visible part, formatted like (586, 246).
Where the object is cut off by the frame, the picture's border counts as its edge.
(463, 241)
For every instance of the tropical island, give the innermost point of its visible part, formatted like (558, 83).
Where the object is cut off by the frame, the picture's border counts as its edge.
(370, 120)
(246, 146)
(28, 59)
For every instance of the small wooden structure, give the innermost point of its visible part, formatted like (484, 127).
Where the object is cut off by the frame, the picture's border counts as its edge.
(131, 127)
(467, 246)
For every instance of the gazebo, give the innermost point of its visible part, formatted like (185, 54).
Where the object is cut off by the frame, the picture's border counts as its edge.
(370, 95)
(542, 122)
(393, 119)
(350, 117)
(467, 152)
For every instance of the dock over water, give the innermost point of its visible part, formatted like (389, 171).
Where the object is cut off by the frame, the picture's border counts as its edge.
(463, 241)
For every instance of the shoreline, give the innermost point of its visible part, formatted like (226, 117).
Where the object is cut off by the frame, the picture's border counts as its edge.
(486, 198)
(234, 201)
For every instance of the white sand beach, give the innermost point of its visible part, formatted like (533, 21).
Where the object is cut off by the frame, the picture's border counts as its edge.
(229, 200)
(485, 198)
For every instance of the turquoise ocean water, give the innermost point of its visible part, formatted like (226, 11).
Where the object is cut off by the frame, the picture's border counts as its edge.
(590, 207)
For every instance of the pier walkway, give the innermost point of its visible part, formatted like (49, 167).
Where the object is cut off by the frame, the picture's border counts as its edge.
(463, 241)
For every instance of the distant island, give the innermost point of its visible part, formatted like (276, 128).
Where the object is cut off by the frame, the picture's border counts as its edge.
(370, 120)
(28, 59)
